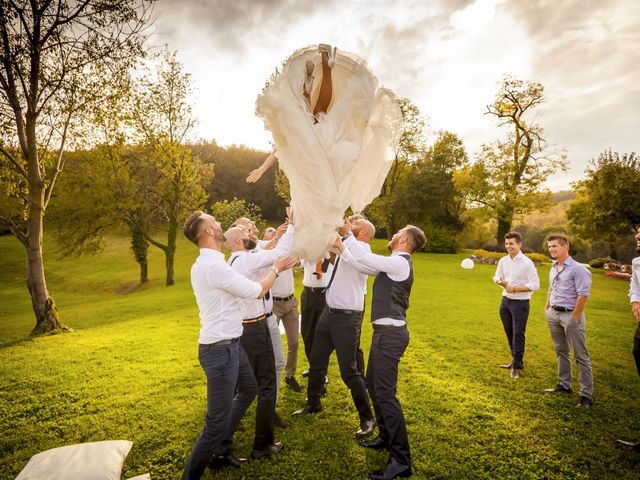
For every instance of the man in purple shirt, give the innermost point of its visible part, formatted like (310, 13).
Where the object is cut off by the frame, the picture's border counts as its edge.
(569, 287)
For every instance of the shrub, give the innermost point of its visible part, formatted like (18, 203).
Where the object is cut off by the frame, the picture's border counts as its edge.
(226, 212)
(599, 262)
(536, 258)
(440, 240)
(621, 276)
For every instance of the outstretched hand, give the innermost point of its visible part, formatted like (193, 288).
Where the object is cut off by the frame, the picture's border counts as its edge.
(338, 245)
(284, 263)
(254, 176)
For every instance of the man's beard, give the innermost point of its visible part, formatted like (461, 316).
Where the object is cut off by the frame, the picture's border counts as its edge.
(390, 246)
(249, 244)
(638, 249)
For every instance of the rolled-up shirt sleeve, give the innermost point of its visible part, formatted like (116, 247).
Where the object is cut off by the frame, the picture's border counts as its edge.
(499, 271)
(393, 265)
(533, 281)
(582, 281)
(350, 259)
(227, 279)
(634, 287)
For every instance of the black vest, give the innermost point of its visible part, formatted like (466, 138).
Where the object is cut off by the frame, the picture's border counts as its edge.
(391, 298)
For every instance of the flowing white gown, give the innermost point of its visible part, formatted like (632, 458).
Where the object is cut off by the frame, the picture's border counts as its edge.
(342, 160)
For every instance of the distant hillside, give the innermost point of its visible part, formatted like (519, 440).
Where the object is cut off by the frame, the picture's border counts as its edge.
(562, 196)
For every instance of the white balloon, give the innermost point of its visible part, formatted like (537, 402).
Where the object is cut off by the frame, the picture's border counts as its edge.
(467, 264)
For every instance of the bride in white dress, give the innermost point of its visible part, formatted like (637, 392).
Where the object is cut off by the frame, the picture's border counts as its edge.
(335, 155)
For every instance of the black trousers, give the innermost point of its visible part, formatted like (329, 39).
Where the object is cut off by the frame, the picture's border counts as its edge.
(636, 348)
(514, 315)
(312, 302)
(340, 332)
(387, 346)
(256, 341)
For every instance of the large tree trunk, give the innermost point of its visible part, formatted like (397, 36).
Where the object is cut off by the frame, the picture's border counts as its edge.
(140, 248)
(171, 249)
(144, 272)
(505, 219)
(45, 310)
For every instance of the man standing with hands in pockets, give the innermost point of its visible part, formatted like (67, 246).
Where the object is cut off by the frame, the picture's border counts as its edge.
(569, 288)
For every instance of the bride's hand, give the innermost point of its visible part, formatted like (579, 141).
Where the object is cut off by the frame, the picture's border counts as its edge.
(254, 176)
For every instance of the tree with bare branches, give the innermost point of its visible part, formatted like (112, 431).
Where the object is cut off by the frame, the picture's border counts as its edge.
(508, 176)
(54, 56)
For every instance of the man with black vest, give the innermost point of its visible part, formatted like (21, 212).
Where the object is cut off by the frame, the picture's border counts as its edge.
(339, 329)
(391, 290)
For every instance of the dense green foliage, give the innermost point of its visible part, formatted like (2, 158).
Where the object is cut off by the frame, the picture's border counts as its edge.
(607, 204)
(130, 371)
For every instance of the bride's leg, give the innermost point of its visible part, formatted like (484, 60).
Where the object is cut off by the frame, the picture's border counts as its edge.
(326, 87)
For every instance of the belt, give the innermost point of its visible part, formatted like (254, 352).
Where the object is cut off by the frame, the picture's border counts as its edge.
(316, 289)
(226, 342)
(561, 309)
(256, 319)
(283, 299)
(344, 312)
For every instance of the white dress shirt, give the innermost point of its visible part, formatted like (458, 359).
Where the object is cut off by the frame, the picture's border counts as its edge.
(349, 282)
(396, 268)
(217, 288)
(283, 286)
(634, 288)
(518, 271)
(253, 265)
(311, 280)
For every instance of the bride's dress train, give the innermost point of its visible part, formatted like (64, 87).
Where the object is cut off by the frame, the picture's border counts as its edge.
(341, 160)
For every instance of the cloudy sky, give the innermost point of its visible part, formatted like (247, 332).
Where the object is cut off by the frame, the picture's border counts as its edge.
(445, 55)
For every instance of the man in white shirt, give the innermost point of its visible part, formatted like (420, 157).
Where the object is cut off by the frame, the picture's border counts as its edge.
(634, 299)
(231, 385)
(339, 328)
(256, 337)
(391, 292)
(517, 276)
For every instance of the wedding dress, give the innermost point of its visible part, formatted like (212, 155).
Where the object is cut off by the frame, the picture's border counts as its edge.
(341, 160)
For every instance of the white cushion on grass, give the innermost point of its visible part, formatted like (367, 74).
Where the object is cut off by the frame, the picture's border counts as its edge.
(85, 461)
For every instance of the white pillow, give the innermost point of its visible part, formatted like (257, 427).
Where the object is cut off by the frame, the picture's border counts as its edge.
(85, 461)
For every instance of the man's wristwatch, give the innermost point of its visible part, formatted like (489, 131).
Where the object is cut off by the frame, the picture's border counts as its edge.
(277, 272)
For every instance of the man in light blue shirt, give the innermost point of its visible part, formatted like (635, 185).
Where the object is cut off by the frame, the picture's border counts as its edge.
(569, 288)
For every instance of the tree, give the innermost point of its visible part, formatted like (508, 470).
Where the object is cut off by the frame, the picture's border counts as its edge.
(226, 212)
(508, 176)
(54, 56)
(162, 117)
(385, 209)
(607, 204)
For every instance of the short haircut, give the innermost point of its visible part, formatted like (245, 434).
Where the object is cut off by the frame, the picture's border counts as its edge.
(515, 235)
(192, 226)
(561, 239)
(417, 237)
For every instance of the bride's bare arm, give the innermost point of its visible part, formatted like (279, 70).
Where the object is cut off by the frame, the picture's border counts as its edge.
(258, 172)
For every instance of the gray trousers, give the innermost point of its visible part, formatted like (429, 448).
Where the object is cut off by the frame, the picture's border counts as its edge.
(287, 311)
(567, 332)
(278, 352)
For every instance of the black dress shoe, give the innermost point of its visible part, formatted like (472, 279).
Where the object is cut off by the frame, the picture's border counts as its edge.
(391, 470)
(293, 384)
(219, 462)
(558, 389)
(267, 452)
(377, 443)
(584, 402)
(366, 429)
(308, 409)
(279, 422)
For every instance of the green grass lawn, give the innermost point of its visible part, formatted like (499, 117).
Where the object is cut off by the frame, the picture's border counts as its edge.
(129, 370)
